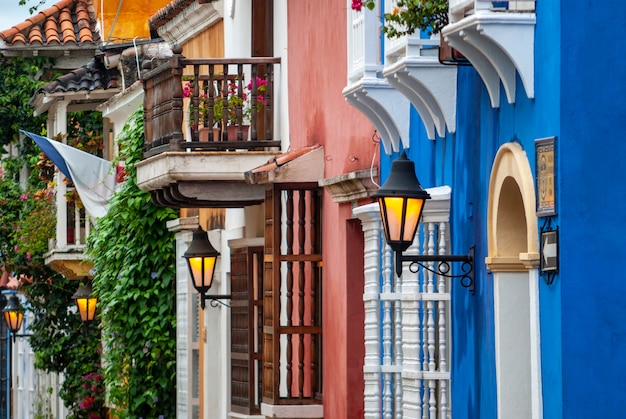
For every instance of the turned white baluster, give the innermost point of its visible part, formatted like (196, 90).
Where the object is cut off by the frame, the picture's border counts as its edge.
(370, 221)
(442, 318)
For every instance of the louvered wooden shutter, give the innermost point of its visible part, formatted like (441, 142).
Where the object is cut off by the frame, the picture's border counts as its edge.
(246, 329)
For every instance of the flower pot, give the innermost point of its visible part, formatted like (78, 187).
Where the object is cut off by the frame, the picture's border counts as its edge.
(449, 55)
(232, 132)
(203, 134)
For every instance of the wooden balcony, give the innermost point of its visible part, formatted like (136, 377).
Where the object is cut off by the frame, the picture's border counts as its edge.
(206, 122)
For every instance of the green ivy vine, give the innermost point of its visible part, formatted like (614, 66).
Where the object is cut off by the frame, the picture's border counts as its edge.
(133, 256)
(27, 222)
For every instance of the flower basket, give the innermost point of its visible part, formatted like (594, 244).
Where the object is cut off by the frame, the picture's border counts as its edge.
(449, 55)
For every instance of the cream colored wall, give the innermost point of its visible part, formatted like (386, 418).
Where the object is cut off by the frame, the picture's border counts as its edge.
(208, 44)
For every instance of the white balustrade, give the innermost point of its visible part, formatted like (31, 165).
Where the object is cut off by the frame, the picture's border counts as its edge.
(407, 322)
(461, 8)
(364, 31)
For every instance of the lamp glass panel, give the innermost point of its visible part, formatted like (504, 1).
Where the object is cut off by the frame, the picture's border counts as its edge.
(393, 221)
(398, 211)
(86, 308)
(13, 320)
(413, 213)
(202, 270)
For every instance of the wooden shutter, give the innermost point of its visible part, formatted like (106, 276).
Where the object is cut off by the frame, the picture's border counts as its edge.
(246, 315)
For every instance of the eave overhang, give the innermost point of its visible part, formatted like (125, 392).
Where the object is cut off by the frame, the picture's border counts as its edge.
(177, 26)
(119, 106)
(428, 85)
(80, 100)
(385, 107)
(351, 187)
(201, 179)
(498, 44)
(302, 165)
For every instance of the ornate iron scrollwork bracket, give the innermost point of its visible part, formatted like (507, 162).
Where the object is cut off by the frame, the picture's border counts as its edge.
(215, 300)
(442, 266)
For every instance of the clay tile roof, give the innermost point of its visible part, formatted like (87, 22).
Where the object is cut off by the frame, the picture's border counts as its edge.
(66, 22)
(162, 16)
(307, 162)
(91, 76)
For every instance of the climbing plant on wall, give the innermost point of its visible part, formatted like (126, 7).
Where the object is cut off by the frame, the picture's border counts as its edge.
(27, 223)
(133, 256)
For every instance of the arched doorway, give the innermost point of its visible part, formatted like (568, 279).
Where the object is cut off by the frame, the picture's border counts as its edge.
(513, 258)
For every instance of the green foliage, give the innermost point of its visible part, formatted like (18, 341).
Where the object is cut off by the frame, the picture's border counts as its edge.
(408, 16)
(133, 256)
(19, 80)
(62, 344)
(33, 8)
(27, 222)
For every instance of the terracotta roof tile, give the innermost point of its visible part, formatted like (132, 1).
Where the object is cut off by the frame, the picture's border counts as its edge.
(273, 169)
(35, 37)
(19, 39)
(62, 23)
(51, 31)
(67, 27)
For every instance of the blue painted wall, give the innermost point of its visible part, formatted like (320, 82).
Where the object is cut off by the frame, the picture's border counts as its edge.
(592, 208)
(481, 130)
(464, 161)
(580, 86)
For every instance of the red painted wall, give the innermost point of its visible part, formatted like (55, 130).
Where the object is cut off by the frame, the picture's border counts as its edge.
(320, 114)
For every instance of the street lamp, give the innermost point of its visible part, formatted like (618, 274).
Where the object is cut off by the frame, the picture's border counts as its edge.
(13, 315)
(401, 200)
(201, 257)
(85, 302)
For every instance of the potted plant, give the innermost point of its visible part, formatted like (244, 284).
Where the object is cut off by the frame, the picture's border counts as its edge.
(234, 107)
(429, 16)
(409, 16)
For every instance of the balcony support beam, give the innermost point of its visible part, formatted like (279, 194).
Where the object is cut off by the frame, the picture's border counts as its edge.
(385, 107)
(498, 45)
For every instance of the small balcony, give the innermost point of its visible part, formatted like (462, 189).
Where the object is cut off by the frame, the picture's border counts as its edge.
(413, 67)
(208, 121)
(367, 90)
(497, 37)
(66, 253)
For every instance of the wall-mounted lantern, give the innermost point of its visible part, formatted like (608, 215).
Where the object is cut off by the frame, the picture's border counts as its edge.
(13, 315)
(401, 199)
(86, 302)
(201, 257)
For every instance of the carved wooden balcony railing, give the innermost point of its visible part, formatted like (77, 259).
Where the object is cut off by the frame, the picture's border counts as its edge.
(182, 94)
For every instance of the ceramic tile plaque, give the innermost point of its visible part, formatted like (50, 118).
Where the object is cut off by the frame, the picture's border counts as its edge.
(545, 175)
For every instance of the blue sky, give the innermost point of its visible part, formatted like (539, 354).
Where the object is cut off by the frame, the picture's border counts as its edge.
(12, 13)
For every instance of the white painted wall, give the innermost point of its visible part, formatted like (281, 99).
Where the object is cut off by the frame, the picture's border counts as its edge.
(518, 364)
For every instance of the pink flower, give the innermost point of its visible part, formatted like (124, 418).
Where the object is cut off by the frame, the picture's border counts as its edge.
(24, 197)
(87, 402)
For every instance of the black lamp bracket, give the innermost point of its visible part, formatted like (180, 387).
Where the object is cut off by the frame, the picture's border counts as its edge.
(214, 300)
(442, 266)
(14, 336)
